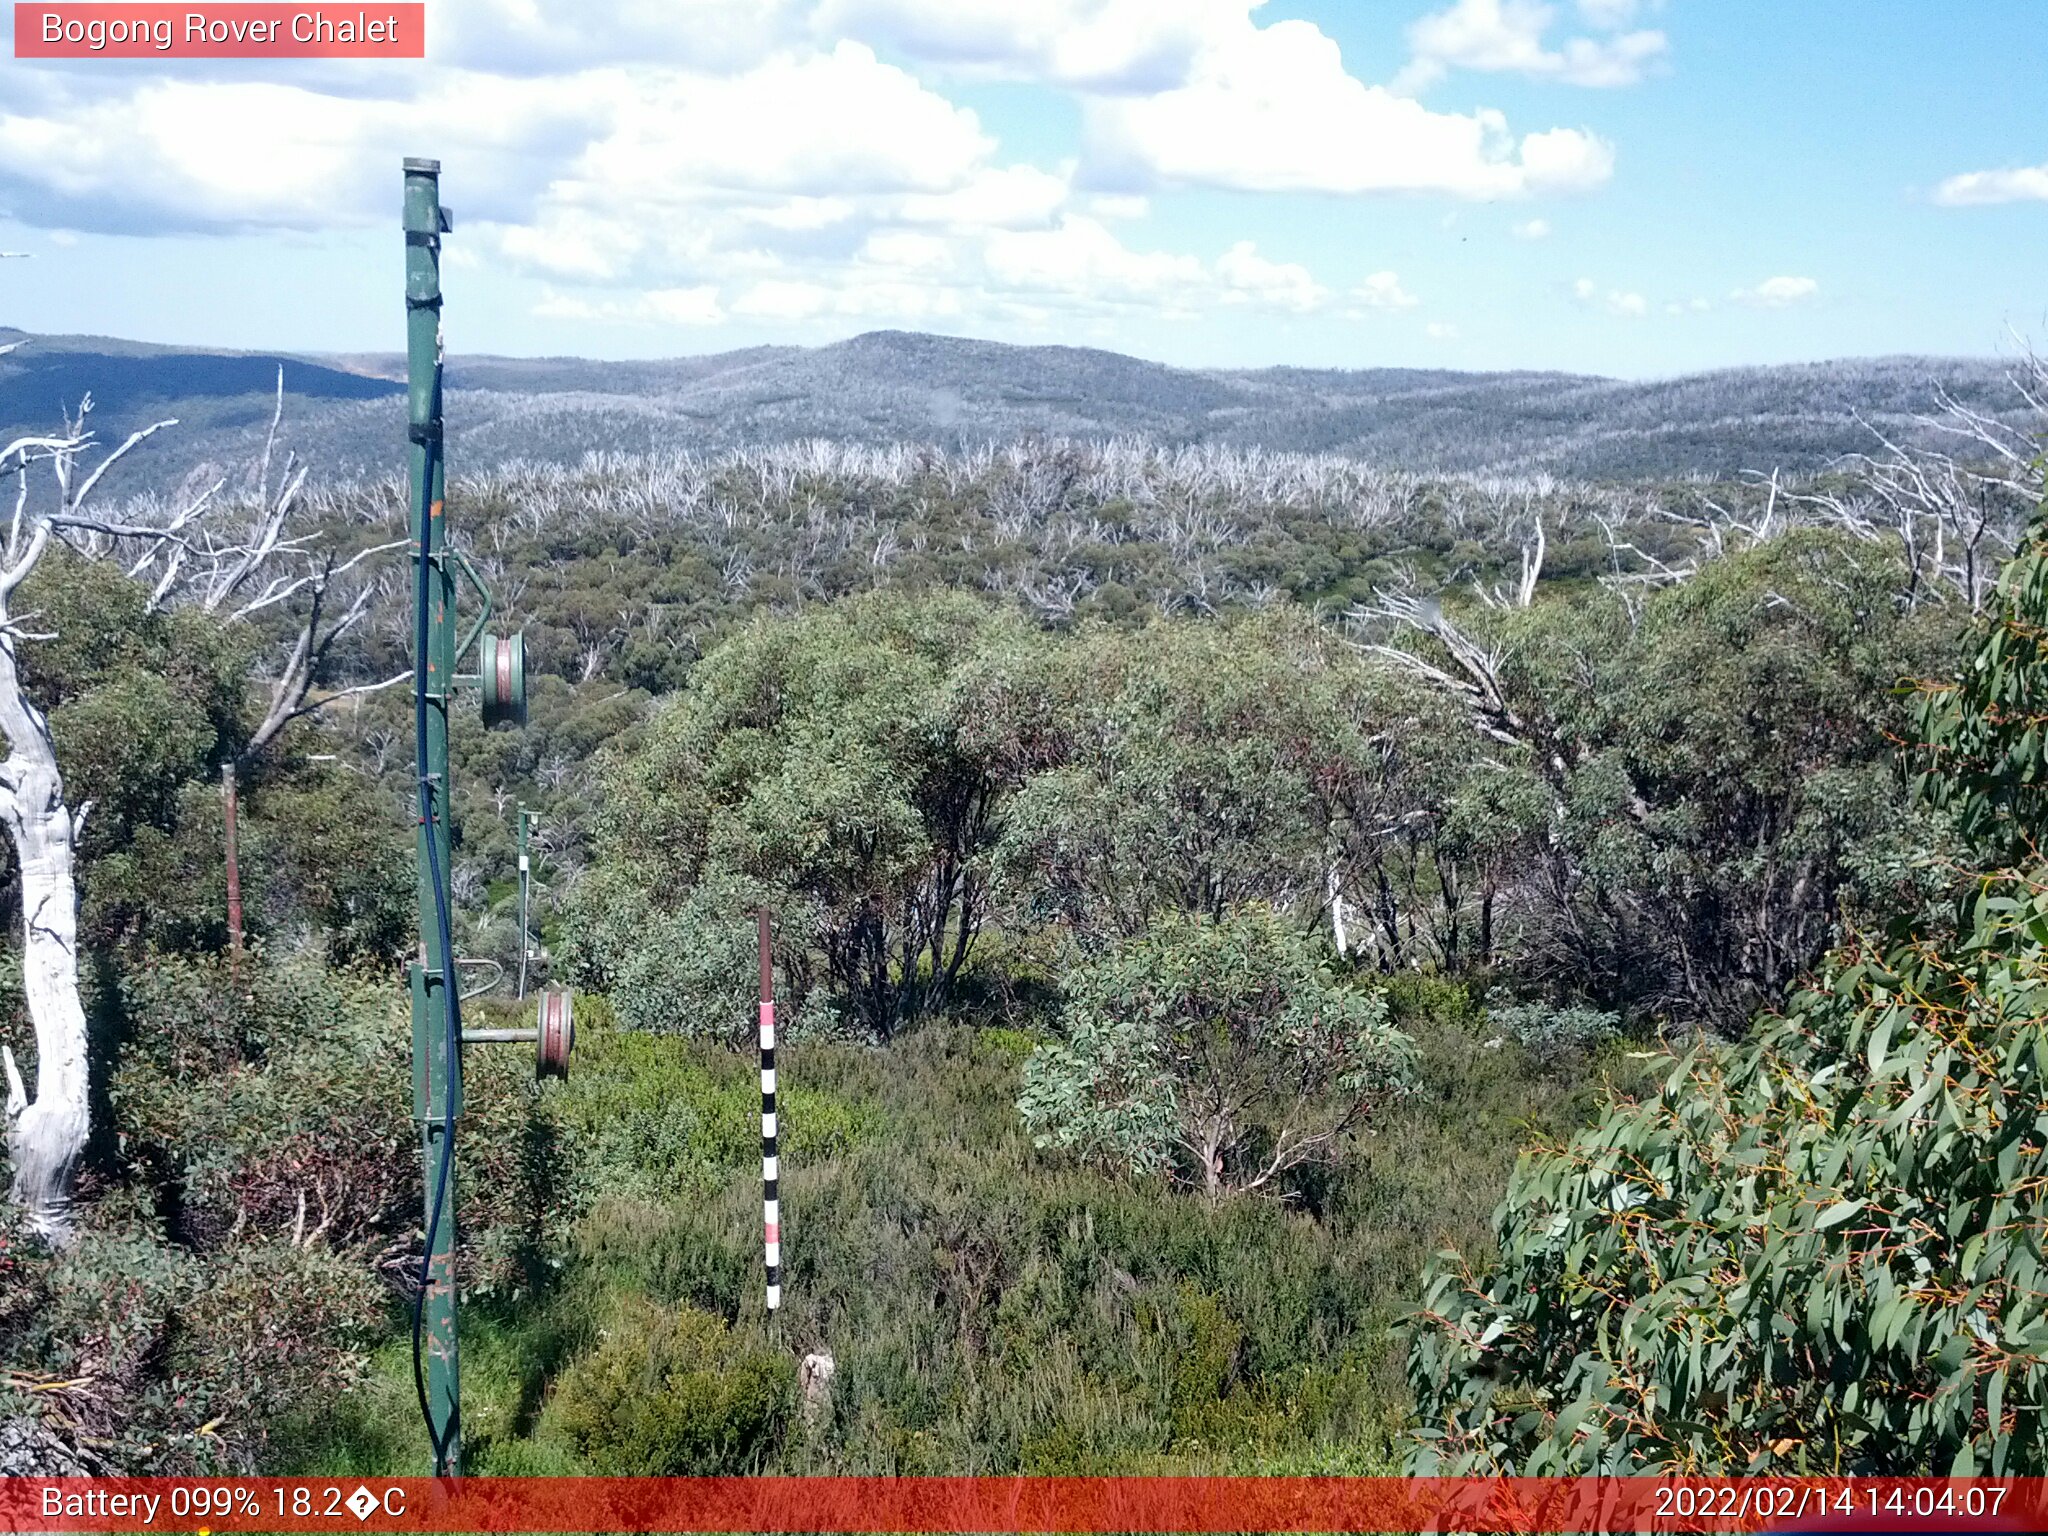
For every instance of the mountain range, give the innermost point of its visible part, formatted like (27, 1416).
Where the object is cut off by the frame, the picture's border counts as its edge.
(346, 412)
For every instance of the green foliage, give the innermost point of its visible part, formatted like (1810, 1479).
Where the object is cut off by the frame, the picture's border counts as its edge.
(956, 812)
(690, 966)
(274, 1100)
(142, 707)
(671, 1391)
(1549, 1030)
(1723, 767)
(1982, 753)
(1219, 1051)
(816, 767)
(327, 860)
(1821, 1250)
(991, 1310)
(145, 1357)
(645, 1122)
(1191, 767)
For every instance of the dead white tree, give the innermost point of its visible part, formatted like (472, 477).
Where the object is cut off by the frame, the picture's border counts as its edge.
(1472, 672)
(1957, 514)
(46, 1135)
(234, 576)
(1532, 572)
(264, 565)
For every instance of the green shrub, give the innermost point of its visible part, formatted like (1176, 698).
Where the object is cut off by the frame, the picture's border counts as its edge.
(1222, 1053)
(1549, 1031)
(138, 1356)
(274, 1099)
(672, 1391)
(1822, 1251)
(651, 1118)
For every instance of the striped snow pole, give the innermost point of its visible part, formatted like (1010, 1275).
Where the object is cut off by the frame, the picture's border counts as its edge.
(771, 1216)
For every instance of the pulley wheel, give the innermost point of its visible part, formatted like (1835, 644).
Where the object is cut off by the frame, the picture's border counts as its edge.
(557, 1033)
(501, 662)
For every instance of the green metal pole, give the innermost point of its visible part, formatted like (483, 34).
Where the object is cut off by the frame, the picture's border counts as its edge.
(437, 1070)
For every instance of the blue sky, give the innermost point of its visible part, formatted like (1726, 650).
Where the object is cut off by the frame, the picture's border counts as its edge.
(1614, 186)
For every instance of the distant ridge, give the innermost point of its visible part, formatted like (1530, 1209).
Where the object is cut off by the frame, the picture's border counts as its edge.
(889, 386)
(208, 392)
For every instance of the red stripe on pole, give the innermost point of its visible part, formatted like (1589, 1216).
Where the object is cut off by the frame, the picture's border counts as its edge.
(1048, 1504)
(774, 1231)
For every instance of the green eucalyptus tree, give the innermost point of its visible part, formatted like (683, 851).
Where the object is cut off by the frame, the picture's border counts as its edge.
(1822, 1250)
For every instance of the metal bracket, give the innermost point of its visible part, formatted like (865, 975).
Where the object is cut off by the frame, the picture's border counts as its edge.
(498, 975)
(483, 593)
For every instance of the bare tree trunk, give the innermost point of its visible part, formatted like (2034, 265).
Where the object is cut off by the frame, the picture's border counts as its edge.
(45, 1138)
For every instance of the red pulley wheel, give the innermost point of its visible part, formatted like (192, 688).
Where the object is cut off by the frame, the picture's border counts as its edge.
(556, 1035)
(501, 665)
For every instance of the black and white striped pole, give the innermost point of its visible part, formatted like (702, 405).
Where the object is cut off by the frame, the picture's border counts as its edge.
(771, 1208)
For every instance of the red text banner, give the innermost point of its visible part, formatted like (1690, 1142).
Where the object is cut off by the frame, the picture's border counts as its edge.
(233, 31)
(1047, 1504)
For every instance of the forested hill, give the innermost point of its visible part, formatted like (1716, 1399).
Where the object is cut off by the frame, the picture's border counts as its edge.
(893, 386)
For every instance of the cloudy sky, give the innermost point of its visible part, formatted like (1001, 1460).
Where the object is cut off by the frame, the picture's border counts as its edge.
(1635, 187)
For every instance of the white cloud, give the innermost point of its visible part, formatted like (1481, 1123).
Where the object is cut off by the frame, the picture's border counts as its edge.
(1687, 307)
(622, 144)
(563, 246)
(1533, 229)
(685, 306)
(1249, 277)
(1383, 290)
(1612, 15)
(797, 212)
(536, 37)
(778, 299)
(1439, 330)
(1082, 257)
(1616, 301)
(674, 306)
(2027, 183)
(1009, 197)
(1084, 263)
(684, 162)
(197, 154)
(1097, 45)
(1277, 113)
(1777, 292)
(908, 249)
(1119, 205)
(862, 298)
(760, 131)
(1507, 36)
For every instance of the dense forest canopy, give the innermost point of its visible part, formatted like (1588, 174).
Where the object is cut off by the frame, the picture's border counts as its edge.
(1198, 874)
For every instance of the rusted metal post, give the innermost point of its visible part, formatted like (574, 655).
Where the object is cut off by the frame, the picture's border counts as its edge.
(525, 899)
(227, 792)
